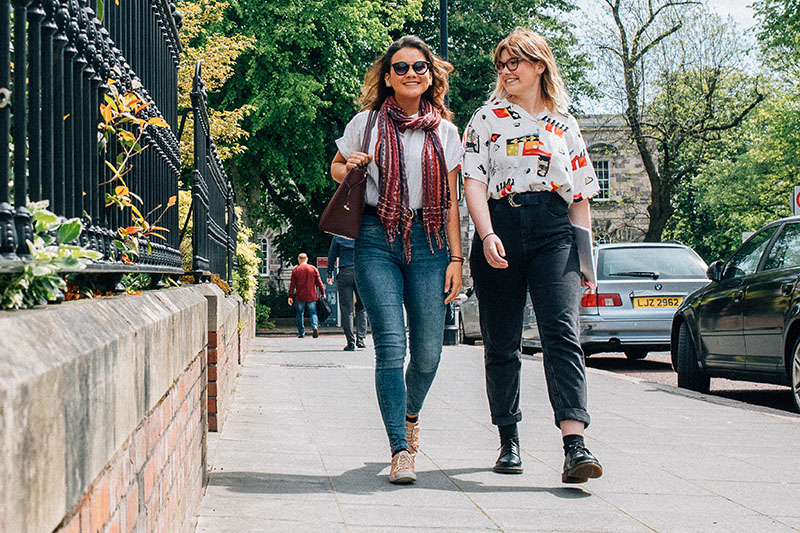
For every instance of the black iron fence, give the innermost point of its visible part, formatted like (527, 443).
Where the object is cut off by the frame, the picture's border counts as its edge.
(215, 222)
(61, 56)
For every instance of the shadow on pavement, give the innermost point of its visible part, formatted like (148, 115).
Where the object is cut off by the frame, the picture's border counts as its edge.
(366, 480)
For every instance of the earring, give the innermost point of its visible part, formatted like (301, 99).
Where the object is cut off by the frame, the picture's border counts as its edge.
(388, 84)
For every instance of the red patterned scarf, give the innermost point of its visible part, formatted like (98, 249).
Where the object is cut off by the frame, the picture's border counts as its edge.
(393, 207)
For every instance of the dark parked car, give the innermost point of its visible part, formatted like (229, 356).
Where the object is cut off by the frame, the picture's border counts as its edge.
(745, 324)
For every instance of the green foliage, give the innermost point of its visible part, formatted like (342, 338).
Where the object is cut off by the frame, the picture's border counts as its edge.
(246, 276)
(274, 297)
(474, 29)
(187, 252)
(746, 184)
(136, 282)
(779, 31)
(301, 77)
(51, 252)
(262, 317)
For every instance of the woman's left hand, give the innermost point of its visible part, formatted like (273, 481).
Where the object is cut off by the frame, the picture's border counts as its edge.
(452, 281)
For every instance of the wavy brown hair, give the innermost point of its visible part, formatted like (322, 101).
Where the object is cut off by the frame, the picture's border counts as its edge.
(374, 91)
(526, 44)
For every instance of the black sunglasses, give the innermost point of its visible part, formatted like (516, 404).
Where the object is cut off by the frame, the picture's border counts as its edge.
(401, 67)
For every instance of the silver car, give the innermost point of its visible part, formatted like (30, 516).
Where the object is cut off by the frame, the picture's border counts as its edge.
(639, 287)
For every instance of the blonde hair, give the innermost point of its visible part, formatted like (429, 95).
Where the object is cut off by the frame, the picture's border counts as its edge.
(375, 91)
(526, 44)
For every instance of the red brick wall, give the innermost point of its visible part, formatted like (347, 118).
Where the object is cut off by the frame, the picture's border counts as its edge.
(154, 482)
(223, 365)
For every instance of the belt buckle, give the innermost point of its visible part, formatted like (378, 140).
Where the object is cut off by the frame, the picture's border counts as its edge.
(511, 201)
(410, 214)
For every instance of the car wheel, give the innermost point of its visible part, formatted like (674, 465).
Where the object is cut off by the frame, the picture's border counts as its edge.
(794, 374)
(690, 376)
(634, 354)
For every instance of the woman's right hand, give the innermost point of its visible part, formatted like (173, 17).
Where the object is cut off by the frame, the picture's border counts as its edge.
(494, 252)
(357, 159)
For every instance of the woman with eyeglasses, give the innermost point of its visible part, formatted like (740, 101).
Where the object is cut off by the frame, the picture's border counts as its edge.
(527, 180)
(408, 254)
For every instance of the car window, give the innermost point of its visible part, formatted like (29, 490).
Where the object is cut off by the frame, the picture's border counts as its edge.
(745, 261)
(655, 262)
(785, 252)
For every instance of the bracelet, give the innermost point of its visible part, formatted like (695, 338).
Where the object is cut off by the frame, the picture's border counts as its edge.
(456, 259)
(490, 233)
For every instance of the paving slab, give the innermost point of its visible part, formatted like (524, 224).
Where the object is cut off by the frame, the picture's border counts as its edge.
(304, 449)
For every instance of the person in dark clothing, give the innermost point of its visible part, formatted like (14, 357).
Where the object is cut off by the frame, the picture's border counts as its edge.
(528, 180)
(305, 280)
(342, 248)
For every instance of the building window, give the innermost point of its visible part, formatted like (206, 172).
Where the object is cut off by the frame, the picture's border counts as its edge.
(265, 253)
(601, 168)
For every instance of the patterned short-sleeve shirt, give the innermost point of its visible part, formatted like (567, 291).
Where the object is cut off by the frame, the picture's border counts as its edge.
(512, 151)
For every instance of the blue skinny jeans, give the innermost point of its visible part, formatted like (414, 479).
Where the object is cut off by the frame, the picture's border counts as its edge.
(387, 284)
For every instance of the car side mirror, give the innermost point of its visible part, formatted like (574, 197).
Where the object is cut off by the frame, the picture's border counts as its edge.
(714, 271)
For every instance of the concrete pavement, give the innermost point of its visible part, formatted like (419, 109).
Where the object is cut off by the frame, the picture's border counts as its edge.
(304, 449)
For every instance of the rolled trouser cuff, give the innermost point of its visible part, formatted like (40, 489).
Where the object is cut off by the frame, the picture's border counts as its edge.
(581, 415)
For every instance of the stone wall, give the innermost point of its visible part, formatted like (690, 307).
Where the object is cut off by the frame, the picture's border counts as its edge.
(103, 408)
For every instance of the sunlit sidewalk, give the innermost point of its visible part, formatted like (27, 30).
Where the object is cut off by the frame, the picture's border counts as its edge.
(303, 449)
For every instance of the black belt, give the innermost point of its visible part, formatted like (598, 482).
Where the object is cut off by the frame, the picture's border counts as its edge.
(518, 199)
(373, 210)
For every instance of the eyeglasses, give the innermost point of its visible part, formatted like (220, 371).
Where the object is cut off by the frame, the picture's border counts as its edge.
(401, 67)
(511, 64)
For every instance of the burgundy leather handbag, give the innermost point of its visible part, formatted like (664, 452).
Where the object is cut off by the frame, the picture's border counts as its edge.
(343, 214)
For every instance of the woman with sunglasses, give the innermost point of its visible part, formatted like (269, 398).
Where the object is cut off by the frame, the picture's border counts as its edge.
(409, 251)
(528, 179)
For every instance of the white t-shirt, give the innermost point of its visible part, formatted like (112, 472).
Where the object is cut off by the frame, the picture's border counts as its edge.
(512, 151)
(413, 141)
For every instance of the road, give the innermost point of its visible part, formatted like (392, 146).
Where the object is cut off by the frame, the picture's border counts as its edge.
(656, 367)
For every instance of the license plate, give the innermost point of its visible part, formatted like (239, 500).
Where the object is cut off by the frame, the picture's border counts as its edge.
(657, 301)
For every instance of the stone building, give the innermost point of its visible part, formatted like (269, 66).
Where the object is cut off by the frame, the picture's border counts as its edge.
(619, 212)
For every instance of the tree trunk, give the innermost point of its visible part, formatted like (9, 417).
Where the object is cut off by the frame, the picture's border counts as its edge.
(660, 209)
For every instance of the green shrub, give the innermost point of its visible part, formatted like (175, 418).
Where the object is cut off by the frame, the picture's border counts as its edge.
(274, 297)
(246, 276)
(262, 318)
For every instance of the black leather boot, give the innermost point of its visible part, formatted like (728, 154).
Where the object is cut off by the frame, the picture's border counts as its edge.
(509, 461)
(580, 465)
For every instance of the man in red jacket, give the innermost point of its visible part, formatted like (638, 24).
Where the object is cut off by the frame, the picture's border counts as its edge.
(305, 280)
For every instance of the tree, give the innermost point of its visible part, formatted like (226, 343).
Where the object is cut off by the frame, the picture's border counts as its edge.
(302, 78)
(476, 26)
(749, 181)
(682, 87)
(202, 40)
(780, 31)
(745, 186)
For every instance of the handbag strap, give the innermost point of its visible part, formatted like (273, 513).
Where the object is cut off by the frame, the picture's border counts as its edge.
(371, 120)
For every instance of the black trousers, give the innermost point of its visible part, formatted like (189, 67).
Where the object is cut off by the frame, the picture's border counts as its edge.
(346, 287)
(543, 259)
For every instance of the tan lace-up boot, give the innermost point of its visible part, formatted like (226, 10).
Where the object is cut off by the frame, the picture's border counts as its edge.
(402, 470)
(412, 437)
